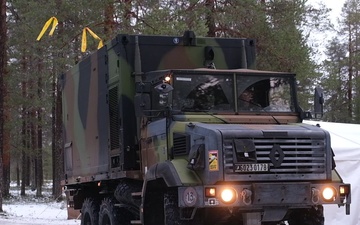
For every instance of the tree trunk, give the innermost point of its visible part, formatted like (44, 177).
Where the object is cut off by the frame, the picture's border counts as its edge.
(57, 141)
(3, 57)
(350, 76)
(57, 145)
(58, 162)
(24, 142)
(6, 154)
(127, 16)
(17, 174)
(210, 20)
(33, 145)
(23, 173)
(53, 139)
(109, 21)
(5, 143)
(39, 162)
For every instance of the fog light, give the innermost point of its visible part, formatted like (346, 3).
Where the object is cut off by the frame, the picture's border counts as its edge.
(210, 192)
(329, 194)
(344, 189)
(228, 195)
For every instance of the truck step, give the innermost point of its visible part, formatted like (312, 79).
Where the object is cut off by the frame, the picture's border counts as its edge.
(135, 221)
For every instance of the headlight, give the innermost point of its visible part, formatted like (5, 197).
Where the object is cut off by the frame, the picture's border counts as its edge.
(228, 195)
(329, 194)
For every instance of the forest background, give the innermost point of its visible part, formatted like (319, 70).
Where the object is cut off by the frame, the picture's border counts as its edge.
(30, 100)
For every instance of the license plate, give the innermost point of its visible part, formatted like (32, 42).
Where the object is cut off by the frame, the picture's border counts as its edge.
(252, 167)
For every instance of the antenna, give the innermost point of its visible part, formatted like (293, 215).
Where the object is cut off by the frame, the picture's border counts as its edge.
(137, 64)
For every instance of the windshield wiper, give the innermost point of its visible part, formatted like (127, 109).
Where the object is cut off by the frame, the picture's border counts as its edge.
(193, 110)
(267, 112)
(203, 111)
(258, 106)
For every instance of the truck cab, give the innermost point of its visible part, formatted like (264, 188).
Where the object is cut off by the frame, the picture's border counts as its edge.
(238, 132)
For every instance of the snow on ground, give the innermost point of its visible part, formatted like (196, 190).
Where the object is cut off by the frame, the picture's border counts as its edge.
(31, 210)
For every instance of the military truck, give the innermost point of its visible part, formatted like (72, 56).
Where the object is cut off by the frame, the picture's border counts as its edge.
(165, 130)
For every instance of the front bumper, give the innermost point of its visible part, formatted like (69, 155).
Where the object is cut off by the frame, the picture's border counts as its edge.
(257, 196)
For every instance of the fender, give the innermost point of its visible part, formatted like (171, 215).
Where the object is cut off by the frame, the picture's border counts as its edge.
(174, 173)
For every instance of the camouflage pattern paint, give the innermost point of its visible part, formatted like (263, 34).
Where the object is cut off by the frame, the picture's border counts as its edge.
(86, 117)
(106, 138)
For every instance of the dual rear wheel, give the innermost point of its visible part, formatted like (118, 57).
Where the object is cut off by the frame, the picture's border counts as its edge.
(89, 212)
(106, 214)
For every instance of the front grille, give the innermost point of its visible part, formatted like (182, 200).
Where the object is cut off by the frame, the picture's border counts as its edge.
(301, 156)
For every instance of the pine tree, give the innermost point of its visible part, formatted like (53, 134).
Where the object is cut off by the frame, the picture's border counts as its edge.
(344, 55)
(334, 81)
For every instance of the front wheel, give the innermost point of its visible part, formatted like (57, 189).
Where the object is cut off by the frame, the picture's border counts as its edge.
(173, 212)
(312, 216)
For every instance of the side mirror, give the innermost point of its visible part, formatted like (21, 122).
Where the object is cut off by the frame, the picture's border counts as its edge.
(318, 103)
(197, 157)
(163, 90)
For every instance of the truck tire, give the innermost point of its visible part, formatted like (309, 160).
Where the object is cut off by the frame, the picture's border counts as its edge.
(123, 193)
(108, 214)
(172, 211)
(112, 215)
(89, 212)
(312, 216)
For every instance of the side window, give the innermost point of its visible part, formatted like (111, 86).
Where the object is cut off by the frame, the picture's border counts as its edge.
(269, 94)
(280, 95)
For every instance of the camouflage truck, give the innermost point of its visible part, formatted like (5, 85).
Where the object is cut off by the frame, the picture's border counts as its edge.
(163, 130)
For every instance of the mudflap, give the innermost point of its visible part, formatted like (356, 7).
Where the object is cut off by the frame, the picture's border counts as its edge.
(252, 218)
(274, 214)
(269, 215)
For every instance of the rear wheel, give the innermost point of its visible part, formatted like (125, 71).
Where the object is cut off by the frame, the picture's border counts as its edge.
(89, 212)
(312, 216)
(108, 214)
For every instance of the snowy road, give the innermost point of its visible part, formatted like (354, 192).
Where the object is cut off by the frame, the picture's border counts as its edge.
(12, 221)
(36, 214)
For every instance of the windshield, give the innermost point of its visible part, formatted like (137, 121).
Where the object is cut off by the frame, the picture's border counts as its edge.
(205, 92)
(231, 93)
